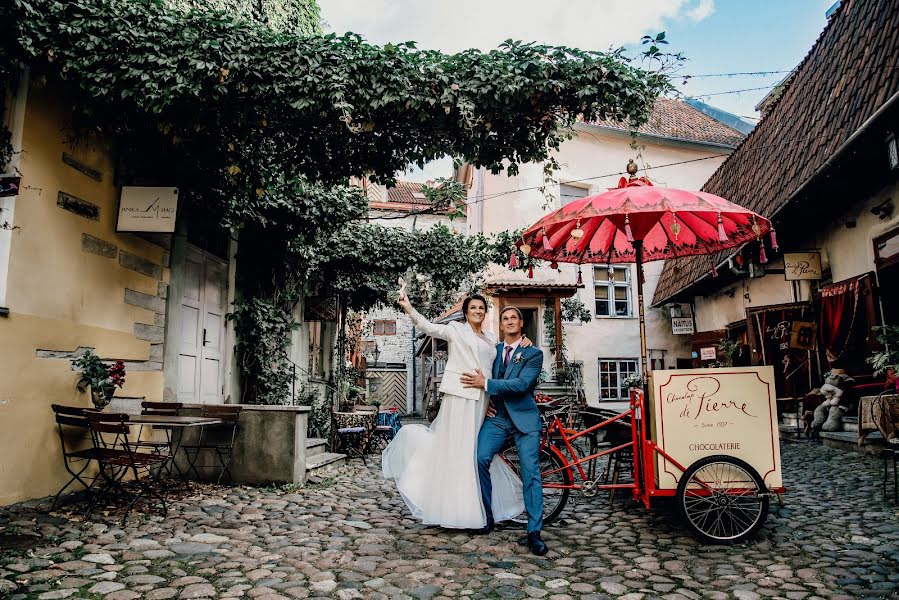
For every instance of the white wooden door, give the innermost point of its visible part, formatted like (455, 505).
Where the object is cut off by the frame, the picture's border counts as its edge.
(202, 330)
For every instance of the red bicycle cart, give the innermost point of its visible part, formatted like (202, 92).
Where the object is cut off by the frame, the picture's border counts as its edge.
(722, 498)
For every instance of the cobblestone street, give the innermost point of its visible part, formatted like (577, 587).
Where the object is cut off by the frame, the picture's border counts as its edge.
(348, 538)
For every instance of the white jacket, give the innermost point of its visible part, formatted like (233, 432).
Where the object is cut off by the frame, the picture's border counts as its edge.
(462, 355)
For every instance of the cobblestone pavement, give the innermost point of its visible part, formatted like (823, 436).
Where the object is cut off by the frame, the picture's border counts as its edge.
(349, 538)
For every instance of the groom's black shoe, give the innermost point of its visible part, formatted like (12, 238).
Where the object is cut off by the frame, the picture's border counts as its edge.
(488, 528)
(535, 544)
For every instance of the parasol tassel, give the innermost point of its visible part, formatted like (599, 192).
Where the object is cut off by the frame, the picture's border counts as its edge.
(722, 235)
(547, 245)
(627, 228)
(763, 258)
(774, 245)
(580, 277)
(513, 260)
(714, 270)
(531, 272)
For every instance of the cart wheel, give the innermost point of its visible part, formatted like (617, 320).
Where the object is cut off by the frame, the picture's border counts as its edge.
(722, 499)
(554, 499)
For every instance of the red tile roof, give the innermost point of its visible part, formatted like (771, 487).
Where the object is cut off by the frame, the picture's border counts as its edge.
(675, 119)
(847, 75)
(407, 192)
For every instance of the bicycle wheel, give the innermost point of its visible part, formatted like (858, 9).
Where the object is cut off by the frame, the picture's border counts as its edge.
(722, 499)
(554, 498)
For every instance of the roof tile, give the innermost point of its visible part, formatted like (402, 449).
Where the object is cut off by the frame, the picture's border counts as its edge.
(675, 119)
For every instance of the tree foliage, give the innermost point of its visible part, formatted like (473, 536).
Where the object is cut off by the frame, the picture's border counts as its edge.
(297, 16)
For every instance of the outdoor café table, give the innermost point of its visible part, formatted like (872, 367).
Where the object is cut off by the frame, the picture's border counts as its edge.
(175, 423)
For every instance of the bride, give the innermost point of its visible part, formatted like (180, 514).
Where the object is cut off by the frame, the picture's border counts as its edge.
(435, 467)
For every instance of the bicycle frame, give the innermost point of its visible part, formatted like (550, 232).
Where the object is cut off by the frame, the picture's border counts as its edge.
(643, 487)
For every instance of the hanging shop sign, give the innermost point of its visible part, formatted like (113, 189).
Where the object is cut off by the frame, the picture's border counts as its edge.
(802, 266)
(802, 335)
(151, 209)
(702, 412)
(682, 326)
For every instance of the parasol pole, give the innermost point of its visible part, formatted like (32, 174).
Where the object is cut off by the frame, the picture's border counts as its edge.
(638, 248)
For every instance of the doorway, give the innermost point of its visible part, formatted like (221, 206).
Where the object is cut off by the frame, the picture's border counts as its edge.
(202, 328)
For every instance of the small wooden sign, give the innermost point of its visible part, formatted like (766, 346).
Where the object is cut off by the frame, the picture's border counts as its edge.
(802, 266)
(702, 412)
(148, 209)
(682, 326)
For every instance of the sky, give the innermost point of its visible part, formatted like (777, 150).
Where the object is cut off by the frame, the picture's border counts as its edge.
(716, 36)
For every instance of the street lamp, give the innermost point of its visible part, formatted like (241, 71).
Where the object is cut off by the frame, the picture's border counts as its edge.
(375, 354)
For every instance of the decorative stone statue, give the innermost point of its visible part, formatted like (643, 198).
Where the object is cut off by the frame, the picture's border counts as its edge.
(834, 420)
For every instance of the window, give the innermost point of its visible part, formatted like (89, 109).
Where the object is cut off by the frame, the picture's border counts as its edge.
(613, 294)
(612, 373)
(570, 193)
(316, 350)
(384, 327)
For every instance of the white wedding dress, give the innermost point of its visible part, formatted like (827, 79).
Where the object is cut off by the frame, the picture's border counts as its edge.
(435, 468)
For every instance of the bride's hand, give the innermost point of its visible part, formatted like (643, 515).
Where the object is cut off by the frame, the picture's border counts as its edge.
(403, 298)
(525, 342)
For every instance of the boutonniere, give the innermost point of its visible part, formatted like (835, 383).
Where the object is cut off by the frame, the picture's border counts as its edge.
(517, 358)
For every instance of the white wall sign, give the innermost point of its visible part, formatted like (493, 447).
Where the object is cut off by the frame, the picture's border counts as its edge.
(800, 266)
(682, 326)
(701, 412)
(148, 209)
(708, 353)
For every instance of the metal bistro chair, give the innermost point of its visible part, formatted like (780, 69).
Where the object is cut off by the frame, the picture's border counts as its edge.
(72, 424)
(353, 432)
(118, 457)
(218, 438)
(882, 409)
(386, 427)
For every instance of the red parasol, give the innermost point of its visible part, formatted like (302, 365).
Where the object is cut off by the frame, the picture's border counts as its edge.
(638, 222)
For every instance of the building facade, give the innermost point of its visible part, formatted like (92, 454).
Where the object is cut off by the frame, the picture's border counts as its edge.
(679, 147)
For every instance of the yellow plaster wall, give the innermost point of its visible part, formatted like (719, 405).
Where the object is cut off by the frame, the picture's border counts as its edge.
(61, 297)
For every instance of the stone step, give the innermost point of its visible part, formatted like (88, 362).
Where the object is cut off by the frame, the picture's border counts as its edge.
(850, 425)
(315, 446)
(325, 459)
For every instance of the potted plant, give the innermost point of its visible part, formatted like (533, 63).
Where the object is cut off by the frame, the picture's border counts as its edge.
(728, 349)
(880, 361)
(102, 379)
(633, 381)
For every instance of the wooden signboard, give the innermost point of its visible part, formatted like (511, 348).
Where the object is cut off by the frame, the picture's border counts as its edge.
(799, 266)
(682, 325)
(704, 412)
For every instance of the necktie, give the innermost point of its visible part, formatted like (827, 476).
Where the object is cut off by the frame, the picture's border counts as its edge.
(507, 356)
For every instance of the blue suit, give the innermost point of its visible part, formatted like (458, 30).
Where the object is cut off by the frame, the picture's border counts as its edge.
(512, 391)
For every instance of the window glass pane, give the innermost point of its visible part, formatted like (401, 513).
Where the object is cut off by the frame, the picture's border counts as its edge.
(570, 193)
(621, 309)
(602, 308)
(602, 292)
(600, 275)
(621, 274)
(620, 293)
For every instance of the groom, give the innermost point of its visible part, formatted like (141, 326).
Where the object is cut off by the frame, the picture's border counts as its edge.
(513, 413)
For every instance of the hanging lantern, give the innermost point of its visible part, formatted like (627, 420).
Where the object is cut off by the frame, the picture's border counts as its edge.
(675, 228)
(763, 258)
(531, 272)
(611, 273)
(525, 249)
(577, 233)
(627, 228)
(580, 276)
(547, 245)
(513, 260)
(755, 228)
(774, 245)
(722, 235)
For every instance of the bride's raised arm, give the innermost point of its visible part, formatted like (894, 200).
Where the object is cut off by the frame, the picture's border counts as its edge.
(442, 332)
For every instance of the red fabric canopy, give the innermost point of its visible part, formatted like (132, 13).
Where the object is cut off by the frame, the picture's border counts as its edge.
(670, 222)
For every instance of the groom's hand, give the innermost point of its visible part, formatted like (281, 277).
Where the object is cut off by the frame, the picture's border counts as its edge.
(474, 380)
(491, 409)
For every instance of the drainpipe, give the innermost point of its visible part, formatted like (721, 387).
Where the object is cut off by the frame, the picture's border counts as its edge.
(414, 372)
